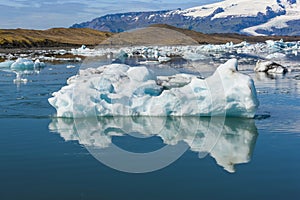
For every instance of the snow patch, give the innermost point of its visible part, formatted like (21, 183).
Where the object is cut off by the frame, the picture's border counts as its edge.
(241, 8)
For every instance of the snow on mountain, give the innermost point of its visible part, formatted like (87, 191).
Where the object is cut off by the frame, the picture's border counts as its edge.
(253, 17)
(279, 22)
(240, 8)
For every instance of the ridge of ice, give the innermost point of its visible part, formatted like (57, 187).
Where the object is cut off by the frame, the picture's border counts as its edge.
(121, 90)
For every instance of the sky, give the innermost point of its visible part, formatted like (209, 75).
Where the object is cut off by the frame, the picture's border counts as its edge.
(44, 14)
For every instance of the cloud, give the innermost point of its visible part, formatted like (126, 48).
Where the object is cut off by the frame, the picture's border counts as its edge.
(43, 14)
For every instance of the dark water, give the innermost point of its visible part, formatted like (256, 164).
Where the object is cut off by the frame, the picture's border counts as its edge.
(42, 157)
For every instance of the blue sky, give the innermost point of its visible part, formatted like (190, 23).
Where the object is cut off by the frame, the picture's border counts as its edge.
(44, 14)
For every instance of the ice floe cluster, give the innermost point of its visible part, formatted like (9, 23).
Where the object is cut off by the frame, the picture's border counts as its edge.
(121, 90)
(195, 52)
(269, 50)
(275, 51)
(229, 142)
(60, 55)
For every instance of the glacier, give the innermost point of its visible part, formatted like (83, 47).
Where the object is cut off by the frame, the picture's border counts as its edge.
(229, 8)
(121, 90)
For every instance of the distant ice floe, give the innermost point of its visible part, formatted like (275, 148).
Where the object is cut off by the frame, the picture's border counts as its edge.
(22, 66)
(121, 90)
(196, 52)
(229, 142)
(272, 50)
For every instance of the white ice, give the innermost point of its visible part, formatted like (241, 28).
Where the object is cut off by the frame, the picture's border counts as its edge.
(121, 90)
(22, 66)
(194, 53)
(243, 8)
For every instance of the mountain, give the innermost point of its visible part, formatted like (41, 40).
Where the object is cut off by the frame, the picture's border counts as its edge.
(162, 34)
(252, 17)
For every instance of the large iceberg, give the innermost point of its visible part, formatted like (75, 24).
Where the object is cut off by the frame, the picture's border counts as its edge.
(121, 90)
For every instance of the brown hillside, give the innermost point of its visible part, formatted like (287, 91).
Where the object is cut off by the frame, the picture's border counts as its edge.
(18, 38)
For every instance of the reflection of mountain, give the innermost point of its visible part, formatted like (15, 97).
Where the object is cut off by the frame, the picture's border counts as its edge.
(230, 141)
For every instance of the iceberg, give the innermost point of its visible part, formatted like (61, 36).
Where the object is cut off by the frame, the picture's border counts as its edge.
(22, 66)
(229, 141)
(6, 64)
(163, 59)
(121, 90)
(270, 67)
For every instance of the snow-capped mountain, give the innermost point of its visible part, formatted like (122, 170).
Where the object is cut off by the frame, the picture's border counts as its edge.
(254, 17)
(239, 8)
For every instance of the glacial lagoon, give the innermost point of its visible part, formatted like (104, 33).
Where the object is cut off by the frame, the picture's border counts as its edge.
(46, 157)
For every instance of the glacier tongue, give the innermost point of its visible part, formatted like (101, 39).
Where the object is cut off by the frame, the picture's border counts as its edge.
(121, 90)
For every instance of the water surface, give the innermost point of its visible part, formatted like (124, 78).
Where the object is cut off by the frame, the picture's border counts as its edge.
(42, 157)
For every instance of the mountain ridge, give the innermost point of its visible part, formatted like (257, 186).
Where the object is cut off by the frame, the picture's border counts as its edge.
(229, 16)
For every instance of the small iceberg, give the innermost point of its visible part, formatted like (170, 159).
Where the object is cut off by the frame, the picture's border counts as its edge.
(163, 59)
(22, 66)
(6, 64)
(121, 90)
(270, 67)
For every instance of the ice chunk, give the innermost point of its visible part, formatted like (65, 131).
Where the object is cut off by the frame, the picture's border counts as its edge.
(120, 90)
(163, 59)
(178, 80)
(38, 64)
(270, 67)
(6, 64)
(193, 56)
(22, 64)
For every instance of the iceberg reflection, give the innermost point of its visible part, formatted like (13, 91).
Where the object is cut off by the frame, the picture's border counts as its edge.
(229, 141)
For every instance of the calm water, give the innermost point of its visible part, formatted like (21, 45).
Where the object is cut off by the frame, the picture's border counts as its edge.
(42, 157)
